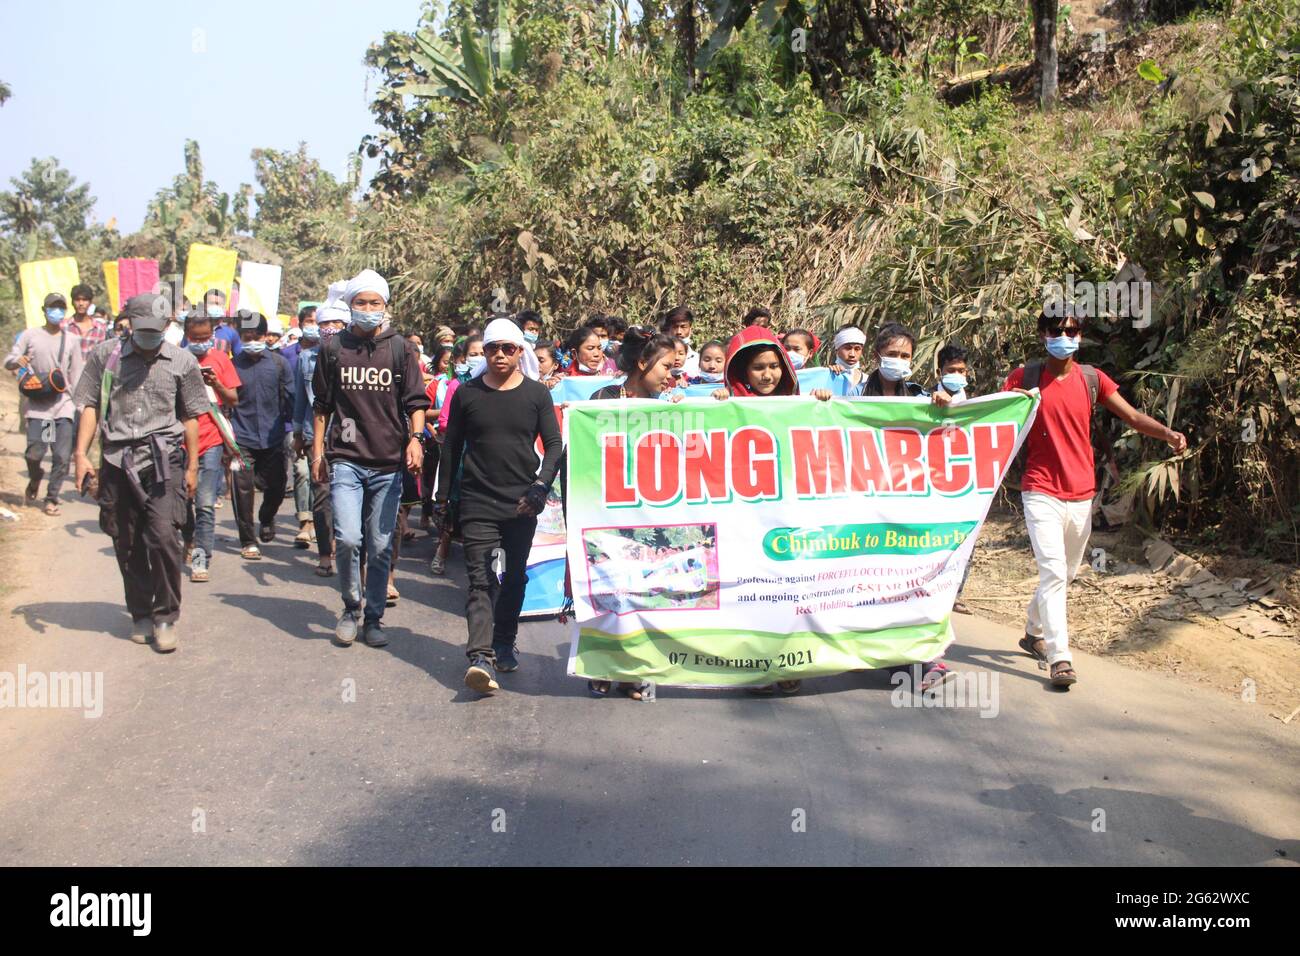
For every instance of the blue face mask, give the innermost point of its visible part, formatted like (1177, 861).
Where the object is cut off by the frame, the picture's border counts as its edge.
(200, 348)
(895, 369)
(310, 333)
(476, 363)
(797, 360)
(1063, 346)
(255, 347)
(711, 376)
(55, 316)
(215, 312)
(147, 341)
(530, 338)
(462, 369)
(367, 321)
(953, 383)
(609, 346)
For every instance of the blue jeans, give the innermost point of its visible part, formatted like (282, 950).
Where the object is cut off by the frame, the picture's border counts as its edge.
(205, 499)
(365, 515)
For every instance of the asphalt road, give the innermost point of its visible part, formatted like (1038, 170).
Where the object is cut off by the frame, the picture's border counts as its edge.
(240, 748)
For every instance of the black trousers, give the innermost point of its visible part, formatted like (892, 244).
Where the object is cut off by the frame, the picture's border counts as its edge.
(267, 474)
(322, 514)
(492, 606)
(429, 476)
(148, 549)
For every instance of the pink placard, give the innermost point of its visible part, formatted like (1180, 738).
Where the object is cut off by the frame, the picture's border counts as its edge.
(135, 277)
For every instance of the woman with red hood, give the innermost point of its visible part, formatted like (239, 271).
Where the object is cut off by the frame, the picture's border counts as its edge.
(758, 367)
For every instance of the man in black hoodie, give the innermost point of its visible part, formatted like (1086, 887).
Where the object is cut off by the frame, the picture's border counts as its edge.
(368, 379)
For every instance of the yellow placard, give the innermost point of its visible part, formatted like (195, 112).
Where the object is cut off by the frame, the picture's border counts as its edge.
(110, 283)
(42, 277)
(208, 267)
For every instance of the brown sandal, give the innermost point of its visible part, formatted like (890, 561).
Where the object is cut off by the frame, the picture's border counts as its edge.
(1035, 647)
(1063, 674)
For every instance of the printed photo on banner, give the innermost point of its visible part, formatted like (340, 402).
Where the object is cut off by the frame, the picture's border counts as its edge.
(652, 568)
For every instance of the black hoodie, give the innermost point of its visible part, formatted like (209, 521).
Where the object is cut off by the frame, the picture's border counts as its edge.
(356, 383)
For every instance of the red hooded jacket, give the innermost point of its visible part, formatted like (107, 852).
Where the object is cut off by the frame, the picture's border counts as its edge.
(741, 347)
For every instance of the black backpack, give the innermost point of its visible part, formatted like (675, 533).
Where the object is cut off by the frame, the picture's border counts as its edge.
(397, 347)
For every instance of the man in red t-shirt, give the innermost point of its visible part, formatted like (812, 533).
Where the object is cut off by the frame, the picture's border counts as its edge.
(222, 380)
(1059, 481)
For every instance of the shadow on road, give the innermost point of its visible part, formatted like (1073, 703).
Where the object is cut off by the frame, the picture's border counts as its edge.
(1165, 822)
(95, 617)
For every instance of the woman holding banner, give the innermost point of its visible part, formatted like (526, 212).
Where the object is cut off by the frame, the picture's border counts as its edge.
(646, 358)
(758, 367)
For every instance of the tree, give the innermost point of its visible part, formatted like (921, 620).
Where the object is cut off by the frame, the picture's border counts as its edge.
(46, 203)
(303, 214)
(192, 209)
(1045, 14)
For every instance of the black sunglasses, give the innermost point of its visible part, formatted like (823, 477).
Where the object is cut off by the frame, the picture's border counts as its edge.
(1073, 332)
(506, 348)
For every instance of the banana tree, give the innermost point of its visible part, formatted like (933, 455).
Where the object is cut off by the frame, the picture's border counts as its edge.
(468, 72)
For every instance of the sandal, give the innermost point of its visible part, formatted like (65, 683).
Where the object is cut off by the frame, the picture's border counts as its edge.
(1035, 647)
(30, 492)
(598, 688)
(251, 553)
(961, 608)
(765, 691)
(52, 509)
(324, 570)
(1063, 674)
(393, 597)
(789, 686)
(635, 690)
(934, 674)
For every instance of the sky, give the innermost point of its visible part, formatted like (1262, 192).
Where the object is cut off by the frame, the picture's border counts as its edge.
(116, 88)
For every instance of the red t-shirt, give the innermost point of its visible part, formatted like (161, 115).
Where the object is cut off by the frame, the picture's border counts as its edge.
(1058, 450)
(219, 362)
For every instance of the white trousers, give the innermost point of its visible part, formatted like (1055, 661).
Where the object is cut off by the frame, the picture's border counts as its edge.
(1059, 532)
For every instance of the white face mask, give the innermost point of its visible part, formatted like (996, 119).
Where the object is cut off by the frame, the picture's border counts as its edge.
(895, 369)
(173, 334)
(797, 360)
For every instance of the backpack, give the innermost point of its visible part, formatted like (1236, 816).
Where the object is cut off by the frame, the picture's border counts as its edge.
(1033, 375)
(329, 357)
(32, 384)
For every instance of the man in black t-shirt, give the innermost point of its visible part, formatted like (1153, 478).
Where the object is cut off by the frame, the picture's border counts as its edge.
(493, 425)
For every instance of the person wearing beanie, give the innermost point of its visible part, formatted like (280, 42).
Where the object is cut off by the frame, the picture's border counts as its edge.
(143, 397)
(368, 414)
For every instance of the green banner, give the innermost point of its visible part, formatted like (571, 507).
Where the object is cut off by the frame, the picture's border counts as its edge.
(747, 541)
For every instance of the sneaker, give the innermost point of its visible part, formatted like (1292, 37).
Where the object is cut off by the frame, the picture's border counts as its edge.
(481, 675)
(199, 565)
(373, 634)
(303, 539)
(438, 566)
(345, 631)
(506, 659)
(164, 637)
(142, 630)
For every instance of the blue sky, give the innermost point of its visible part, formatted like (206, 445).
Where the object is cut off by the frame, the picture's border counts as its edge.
(234, 75)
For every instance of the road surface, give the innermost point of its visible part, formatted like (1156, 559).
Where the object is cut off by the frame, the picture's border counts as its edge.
(241, 748)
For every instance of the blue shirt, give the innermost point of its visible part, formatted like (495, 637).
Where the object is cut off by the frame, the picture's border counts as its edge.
(304, 394)
(265, 400)
(230, 336)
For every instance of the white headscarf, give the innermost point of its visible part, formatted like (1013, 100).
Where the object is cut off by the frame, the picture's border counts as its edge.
(850, 336)
(504, 330)
(367, 280)
(334, 309)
